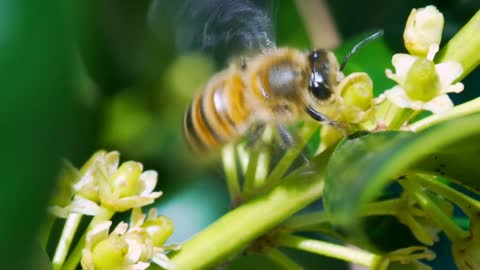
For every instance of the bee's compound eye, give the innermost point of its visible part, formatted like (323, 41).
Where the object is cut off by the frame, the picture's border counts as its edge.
(318, 83)
(319, 89)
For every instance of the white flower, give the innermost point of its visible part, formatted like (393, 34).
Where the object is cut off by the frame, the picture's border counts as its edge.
(103, 184)
(424, 29)
(117, 250)
(422, 85)
(123, 249)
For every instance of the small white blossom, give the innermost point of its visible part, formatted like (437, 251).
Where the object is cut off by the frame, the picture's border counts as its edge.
(422, 85)
(103, 184)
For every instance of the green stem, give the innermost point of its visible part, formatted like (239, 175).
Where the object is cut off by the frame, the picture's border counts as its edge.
(464, 109)
(344, 253)
(282, 260)
(299, 222)
(451, 229)
(290, 156)
(263, 160)
(400, 117)
(76, 254)
(249, 184)
(68, 232)
(467, 204)
(231, 172)
(235, 230)
(46, 230)
(306, 221)
(464, 47)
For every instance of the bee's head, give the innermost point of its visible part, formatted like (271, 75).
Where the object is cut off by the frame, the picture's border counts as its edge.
(323, 76)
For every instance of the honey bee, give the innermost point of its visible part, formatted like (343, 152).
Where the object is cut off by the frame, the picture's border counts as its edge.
(278, 85)
(281, 86)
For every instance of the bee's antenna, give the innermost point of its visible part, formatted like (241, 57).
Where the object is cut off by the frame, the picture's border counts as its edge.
(360, 44)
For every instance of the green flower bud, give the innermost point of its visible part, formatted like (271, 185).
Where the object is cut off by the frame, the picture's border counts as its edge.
(159, 229)
(110, 253)
(358, 91)
(422, 82)
(424, 29)
(124, 181)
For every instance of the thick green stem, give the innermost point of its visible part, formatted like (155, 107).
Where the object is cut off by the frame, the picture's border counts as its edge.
(464, 109)
(282, 260)
(344, 253)
(76, 254)
(464, 47)
(69, 229)
(238, 228)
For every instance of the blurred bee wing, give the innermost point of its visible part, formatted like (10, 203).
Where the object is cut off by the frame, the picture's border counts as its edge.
(217, 26)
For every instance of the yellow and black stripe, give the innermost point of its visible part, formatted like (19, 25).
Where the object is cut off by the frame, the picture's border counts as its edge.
(216, 114)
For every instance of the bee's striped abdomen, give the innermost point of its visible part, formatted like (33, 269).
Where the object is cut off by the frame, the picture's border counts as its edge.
(218, 114)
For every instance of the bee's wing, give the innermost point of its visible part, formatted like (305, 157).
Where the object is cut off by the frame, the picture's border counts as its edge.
(218, 26)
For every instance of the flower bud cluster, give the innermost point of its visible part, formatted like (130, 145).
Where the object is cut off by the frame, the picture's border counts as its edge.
(423, 84)
(129, 247)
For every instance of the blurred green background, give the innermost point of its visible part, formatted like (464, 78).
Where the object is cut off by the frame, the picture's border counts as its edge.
(77, 76)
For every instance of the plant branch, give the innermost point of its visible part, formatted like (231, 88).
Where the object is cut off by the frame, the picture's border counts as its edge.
(453, 232)
(464, 109)
(344, 253)
(464, 47)
(467, 204)
(238, 228)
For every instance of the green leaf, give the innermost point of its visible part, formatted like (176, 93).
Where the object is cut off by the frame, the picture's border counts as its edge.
(361, 166)
(458, 162)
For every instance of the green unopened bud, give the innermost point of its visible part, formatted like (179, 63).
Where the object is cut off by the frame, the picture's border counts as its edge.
(424, 29)
(110, 253)
(357, 91)
(422, 82)
(159, 229)
(124, 181)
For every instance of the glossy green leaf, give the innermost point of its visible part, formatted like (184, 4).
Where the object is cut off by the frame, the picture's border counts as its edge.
(361, 166)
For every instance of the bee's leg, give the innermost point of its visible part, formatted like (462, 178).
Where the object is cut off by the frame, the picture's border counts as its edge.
(289, 141)
(320, 117)
(255, 135)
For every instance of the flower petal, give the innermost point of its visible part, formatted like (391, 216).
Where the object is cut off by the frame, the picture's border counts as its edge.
(147, 182)
(128, 203)
(98, 233)
(141, 266)
(121, 228)
(440, 104)
(163, 261)
(137, 218)
(402, 63)
(448, 72)
(79, 205)
(112, 160)
(397, 96)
